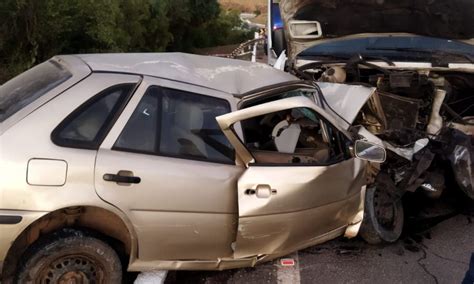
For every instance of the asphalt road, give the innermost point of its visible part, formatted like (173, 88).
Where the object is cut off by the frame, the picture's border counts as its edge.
(438, 254)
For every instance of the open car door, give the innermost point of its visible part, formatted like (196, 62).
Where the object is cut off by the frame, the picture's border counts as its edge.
(292, 195)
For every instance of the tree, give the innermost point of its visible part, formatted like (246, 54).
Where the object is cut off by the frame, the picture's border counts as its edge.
(34, 30)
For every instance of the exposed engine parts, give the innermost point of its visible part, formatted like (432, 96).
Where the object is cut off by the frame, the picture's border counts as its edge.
(334, 74)
(436, 121)
(459, 150)
(425, 119)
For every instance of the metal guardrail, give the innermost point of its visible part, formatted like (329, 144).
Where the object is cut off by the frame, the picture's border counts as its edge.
(246, 48)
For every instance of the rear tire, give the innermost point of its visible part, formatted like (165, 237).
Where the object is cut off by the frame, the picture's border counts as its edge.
(383, 217)
(70, 256)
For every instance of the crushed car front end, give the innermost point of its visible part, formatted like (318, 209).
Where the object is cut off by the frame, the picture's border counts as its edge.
(420, 58)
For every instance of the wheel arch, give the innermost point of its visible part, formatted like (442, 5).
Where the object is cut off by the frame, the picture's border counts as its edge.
(103, 221)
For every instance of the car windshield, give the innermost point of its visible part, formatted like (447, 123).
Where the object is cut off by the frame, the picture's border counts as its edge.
(402, 48)
(29, 86)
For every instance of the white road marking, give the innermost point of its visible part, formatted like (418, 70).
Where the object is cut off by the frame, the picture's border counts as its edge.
(289, 274)
(151, 277)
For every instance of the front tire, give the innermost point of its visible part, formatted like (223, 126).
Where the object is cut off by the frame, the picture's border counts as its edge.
(278, 41)
(70, 256)
(383, 216)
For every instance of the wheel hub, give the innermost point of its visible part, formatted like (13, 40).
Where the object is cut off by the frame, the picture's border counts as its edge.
(73, 277)
(76, 269)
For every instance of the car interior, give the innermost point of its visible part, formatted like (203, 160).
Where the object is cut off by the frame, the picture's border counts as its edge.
(295, 136)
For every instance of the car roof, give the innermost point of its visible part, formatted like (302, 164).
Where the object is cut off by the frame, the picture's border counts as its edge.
(231, 76)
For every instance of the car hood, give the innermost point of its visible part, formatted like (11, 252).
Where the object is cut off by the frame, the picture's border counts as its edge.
(338, 18)
(344, 102)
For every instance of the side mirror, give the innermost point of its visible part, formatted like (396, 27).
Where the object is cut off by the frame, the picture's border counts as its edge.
(305, 29)
(369, 151)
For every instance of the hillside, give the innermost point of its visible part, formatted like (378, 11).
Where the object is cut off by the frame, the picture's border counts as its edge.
(245, 6)
(258, 7)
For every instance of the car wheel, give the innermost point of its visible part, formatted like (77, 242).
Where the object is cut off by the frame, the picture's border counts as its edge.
(278, 41)
(383, 217)
(70, 256)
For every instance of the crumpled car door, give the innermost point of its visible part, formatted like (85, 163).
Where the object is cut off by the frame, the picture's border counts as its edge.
(288, 207)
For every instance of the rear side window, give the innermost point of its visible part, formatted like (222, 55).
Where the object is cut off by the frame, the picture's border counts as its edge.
(178, 124)
(189, 127)
(88, 125)
(141, 132)
(29, 86)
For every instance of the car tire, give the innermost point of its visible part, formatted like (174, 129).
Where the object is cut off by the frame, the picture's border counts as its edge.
(70, 255)
(376, 229)
(278, 41)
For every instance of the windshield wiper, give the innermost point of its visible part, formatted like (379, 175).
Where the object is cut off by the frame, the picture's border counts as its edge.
(469, 58)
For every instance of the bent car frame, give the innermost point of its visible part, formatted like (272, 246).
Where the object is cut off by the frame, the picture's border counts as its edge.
(170, 161)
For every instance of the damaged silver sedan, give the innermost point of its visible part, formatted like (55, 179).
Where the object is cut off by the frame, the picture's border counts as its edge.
(170, 161)
(418, 58)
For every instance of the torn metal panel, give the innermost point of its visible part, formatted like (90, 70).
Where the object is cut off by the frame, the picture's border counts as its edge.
(315, 241)
(345, 101)
(417, 179)
(369, 136)
(354, 227)
(462, 161)
(408, 152)
(434, 185)
(217, 264)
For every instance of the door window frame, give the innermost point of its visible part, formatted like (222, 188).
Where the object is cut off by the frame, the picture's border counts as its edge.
(148, 82)
(249, 159)
(342, 141)
(157, 151)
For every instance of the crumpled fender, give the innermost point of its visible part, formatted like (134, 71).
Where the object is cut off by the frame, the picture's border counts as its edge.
(461, 158)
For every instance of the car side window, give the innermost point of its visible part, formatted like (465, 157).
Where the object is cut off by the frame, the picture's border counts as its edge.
(88, 125)
(141, 132)
(179, 124)
(294, 136)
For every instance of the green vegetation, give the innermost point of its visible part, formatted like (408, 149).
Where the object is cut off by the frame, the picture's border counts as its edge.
(32, 31)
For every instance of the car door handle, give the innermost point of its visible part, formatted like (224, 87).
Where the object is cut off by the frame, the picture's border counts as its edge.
(262, 191)
(122, 177)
